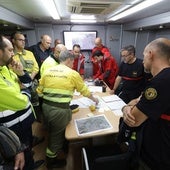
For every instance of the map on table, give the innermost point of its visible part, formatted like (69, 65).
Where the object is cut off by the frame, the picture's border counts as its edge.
(92, 124)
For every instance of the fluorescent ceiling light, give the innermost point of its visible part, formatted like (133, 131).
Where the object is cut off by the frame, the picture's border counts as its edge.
(83, 20)
(135, 1)
(79, 16)
(126, 6)
(51, 8)
(135, 9)
(121, 9)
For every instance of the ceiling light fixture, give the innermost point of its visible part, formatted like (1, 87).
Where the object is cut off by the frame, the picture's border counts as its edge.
(83, 21)
(161, 26)
(51, 8)
(79, 16)
(140, 29)
(5, 25)
(83, 18)
(135, 9)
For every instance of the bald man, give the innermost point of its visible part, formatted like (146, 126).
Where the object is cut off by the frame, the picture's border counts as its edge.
(52, 60)
(41, 50)
(151, 114)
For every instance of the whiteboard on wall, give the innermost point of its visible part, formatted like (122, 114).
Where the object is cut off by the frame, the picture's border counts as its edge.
(84, 38)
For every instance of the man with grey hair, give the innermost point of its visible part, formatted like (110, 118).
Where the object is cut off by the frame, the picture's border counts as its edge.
(52, 60)
(57, 86)
(65, 55)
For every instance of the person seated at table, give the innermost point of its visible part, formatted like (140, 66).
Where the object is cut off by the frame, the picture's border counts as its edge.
(56, 87)
(108, 68)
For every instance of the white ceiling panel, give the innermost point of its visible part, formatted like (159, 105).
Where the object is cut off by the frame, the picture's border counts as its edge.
(34, 11)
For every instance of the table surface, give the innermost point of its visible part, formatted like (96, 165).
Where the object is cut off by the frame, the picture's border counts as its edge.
(71, 133)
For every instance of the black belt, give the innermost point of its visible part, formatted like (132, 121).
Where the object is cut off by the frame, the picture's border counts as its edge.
(62, 105)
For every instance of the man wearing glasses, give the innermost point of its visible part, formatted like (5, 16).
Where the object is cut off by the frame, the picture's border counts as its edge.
(24, 56)
(131, 77)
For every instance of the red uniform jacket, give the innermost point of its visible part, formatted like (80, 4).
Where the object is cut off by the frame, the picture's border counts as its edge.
(108, 70)
(104, 50)
(78, 64)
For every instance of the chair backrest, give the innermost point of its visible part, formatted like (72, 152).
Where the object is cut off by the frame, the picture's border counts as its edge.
(9, 144)
(85, 160)
(97, 161)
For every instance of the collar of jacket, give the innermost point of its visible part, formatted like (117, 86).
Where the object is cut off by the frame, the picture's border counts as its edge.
(23, 52)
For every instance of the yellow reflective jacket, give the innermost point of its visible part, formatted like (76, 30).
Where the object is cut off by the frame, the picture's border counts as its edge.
(14, 106)
(48, 63)
(30, 64)
(58, 84)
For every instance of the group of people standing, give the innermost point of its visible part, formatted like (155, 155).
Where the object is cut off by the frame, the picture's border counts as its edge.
(60, 72)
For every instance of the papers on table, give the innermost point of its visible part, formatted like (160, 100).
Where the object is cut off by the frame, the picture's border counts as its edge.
(92, 124)
(115, 105)
(114, 102)
(91, 85)
(94, 89)
(118, 112)
(83, 102)
(111, 98)
(76, 101)
(111, 102)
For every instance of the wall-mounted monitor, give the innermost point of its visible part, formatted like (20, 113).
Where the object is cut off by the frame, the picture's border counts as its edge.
(84, 38)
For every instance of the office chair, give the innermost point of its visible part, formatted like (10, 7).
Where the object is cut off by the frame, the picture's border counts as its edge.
(105, 157)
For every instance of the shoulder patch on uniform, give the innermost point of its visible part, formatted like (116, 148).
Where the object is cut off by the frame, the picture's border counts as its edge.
(150, 93)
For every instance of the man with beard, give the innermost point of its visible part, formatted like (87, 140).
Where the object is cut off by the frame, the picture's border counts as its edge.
(15, 108)
(151, 113)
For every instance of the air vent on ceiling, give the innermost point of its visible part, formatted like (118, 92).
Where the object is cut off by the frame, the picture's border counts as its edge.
(95, 5)
(91, 10)
(92, 7)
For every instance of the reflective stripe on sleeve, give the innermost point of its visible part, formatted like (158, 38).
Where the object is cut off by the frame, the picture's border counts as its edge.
(19, 119)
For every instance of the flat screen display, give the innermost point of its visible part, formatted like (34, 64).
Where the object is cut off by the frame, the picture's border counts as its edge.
(84, 38)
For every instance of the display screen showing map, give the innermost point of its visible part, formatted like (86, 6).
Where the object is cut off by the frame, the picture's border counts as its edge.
(84, 39)
(92, 124)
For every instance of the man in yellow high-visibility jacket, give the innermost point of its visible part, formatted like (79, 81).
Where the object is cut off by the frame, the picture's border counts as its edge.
(24, 56)
(15, 108)
(57, 86)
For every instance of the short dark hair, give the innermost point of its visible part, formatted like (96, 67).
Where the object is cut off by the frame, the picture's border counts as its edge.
(3, 45)
(129, 48)
(76, 45)
(97, 53)
(14, 34)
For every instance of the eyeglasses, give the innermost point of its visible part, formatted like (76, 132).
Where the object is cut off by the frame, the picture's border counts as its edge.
(20, 40)
(125, 55)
